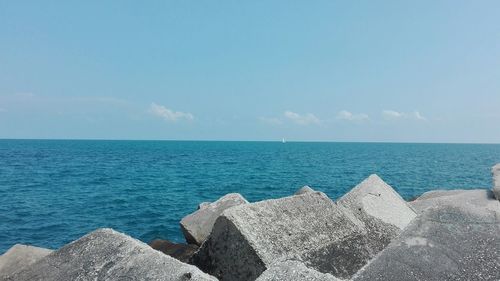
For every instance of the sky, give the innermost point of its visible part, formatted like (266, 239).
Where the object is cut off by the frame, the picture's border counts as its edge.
(374, 71)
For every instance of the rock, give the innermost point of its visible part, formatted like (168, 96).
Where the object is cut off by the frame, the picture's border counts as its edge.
(303, 190)
(198, 225)
(382, 210)
(496, 180)
(108, 255)
(454, 238)
(182, 252)
(375, 199)
(437, 193)
(203, 205)
(293, 271)
(247, 239)
(20, 256)
(477, 198)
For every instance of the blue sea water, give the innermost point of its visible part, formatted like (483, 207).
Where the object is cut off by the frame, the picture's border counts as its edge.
(54, 191)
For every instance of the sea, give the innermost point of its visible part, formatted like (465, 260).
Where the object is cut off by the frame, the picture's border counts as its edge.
(55, 191)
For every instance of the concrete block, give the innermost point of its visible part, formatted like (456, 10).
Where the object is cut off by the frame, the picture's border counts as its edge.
(198, 225)
(247, 239)
(19, 257)
(108, 255)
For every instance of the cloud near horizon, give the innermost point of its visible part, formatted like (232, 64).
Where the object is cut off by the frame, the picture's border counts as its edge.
(349, 116)
(168, 114)
(393, 115)
(302, 119)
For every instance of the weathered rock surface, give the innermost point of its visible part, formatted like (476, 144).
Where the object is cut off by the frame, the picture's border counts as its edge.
(20, 256)
(375, 199)
(456, 237)
(198, 225)
(203, 205)
(475, 199)
(496, 180)
(182, 252)
(293, 271)
(303, 190)
(437, 193)
(108, 255)
(382, 210)
(248, 239)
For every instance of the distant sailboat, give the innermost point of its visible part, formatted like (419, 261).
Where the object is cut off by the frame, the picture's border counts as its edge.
(283, 140)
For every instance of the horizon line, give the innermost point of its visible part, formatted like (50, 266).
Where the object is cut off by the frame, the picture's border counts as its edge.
(228, 140)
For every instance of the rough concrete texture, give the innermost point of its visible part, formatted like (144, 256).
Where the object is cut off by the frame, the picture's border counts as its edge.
(198, 225)
(456, 237)
(437, 193)
(182, 252)
(203, 205)
(293, 271)
(496, 180)
(475, 199)
(247, 239)
(20, 256)
(303, 190)
(108, 255)
(375, 199)
(382, 210)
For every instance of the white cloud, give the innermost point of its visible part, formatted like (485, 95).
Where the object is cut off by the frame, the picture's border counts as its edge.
(418, 116)
(271, 120)
(392, 115)
(349, 116)
(168, 114)
(302, 119)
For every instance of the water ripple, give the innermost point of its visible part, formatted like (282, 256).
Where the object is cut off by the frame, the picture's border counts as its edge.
(52, 192)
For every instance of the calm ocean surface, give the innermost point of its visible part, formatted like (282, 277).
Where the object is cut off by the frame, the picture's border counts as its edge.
(53, 192)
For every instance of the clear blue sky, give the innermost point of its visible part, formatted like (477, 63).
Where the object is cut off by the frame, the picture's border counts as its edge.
(413, 71)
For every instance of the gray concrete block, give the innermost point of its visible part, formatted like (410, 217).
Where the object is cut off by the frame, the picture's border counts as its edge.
(293, 271)
(456, 237)
(303, 190)
(375, 199)
(381, 209)
(438, 193)
(19, 257)
(198, 225)
(203, 205)
(477, 199)
(247, 239)
(108, 255)
(496, 180)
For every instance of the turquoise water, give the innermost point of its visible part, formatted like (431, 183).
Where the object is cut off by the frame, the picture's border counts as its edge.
(52, 191)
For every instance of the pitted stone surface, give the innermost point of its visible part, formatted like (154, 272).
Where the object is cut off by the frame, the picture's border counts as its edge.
(108, 255)
(438, 193)
(203, 205)
(456, 237)
(496, 180)
(303, 190)
(247, 239)
(294, 271)
(198, 225)
(382, 211)
(476, 200)
(20, 256)
(375, 199)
